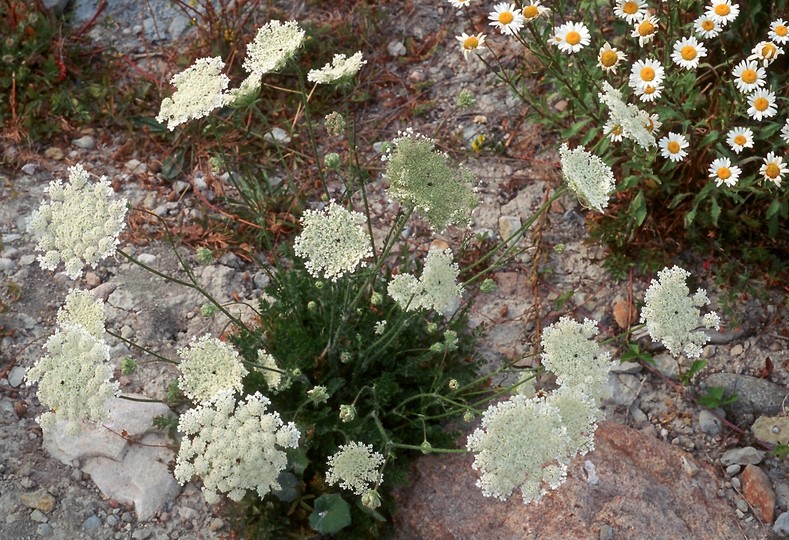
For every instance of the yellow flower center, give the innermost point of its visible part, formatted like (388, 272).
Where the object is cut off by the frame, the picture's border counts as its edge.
(506, 17)
(688, 52)
(772, 170)
(470, 43)
(573, 37)
(673, 147)
(724, 173)
(748, 76)
(768, 51)
(761, 104)
(722, 10)
(781, 30)
(647, 74)
(649, 90)
(531, 12)
(708, 25)
(630, 7)
(617, 130)
(645, 28)
(740, 140)
(650, 125)
(609, 58)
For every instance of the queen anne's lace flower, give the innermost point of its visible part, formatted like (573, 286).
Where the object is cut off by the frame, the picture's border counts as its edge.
(579, 414)
(199, 89)
(421, 177)
(339, 68)
(234, 447)
(587, 175)
(517, 446)
(355, 467)
(271, 371)
(209, 366)
(627, 116)
(436, 289)
(74, 378)
(570, 352)
(274, 44)
(672, 315)
(80, 225)
(334, 241)
(83, 309)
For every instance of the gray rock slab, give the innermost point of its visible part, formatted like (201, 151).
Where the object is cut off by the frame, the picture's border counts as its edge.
(756, 396)
(747, 455)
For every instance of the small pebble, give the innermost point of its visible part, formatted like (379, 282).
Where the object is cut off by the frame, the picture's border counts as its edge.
(39, 516)
(86, 142)
(26, 483)
(45, 529)
(733, 470)
(737, 350)
(736, 484)
(92, 280)
(216, 524)
(127, 517)
(93, 522)
(606, 532)
(141, 534)
(29, 169)
(112, 520)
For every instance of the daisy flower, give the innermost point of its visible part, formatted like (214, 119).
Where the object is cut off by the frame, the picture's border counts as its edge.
(673, 147)
(723, 11)
(649, 93)
(614, 130)
(646, 73)
(651, 122)
(773, 169)
(739, 139)
(761, 104)
(723, 172)
(748, 76)
(779, 32)
(571, 37)
(785, 132)
(506, 18)
(766, 52)
(687, 53)
(645, 29)
(706, 27)
(459, 3)
(469, 44)
(609, 58)
(533, 9)
(630, 10)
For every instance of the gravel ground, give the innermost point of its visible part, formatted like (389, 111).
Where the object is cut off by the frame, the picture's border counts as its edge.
(510, 185)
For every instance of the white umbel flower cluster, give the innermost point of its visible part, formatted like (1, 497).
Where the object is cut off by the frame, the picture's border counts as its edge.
(570, 352)
(517, 446)
(355, 467)
(587, 175)
(274, 44)
(83, 309)
(209, 366)
(421, 177)
(436, 289)
(333, 241)
(629, 117)
(74, 379)
(199, 89)
(271, 370)
(234, 447)
(672, 315)
(340, 68)
(80, 225)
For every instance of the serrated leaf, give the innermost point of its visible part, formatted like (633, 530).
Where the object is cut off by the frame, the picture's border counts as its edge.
(331, 514)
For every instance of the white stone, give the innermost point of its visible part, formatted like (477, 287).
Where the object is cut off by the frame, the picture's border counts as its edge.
(129, 473)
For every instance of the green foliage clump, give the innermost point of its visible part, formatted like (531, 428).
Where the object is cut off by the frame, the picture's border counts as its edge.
(396, 379)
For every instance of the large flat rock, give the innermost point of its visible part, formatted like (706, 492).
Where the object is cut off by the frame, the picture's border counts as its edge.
(643, 490)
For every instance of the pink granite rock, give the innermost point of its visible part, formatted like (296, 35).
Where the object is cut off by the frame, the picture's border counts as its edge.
(759, 492)
(641, 490)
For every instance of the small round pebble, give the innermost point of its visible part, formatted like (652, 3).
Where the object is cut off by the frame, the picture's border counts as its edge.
(45, 529)
(93, 522)
(733, 470)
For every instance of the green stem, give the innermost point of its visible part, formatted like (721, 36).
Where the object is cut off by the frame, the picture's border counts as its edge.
(140, 347)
